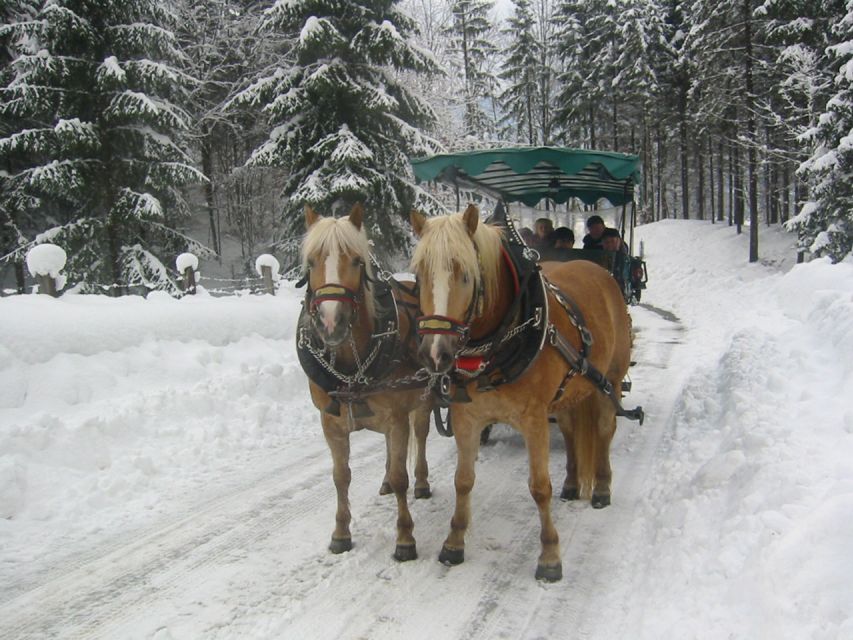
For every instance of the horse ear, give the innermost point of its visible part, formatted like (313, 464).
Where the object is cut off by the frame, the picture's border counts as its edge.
(356, 215)
(418, 221)
(311, 216)
(471, 217)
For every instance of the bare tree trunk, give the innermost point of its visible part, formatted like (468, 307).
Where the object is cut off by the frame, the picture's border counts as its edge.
(207, 168)
(749, 102)
(661, 213)
(685, 186)
(738, 190)
(711, 178)
(720, 183)
(700, 184)
(786, 193)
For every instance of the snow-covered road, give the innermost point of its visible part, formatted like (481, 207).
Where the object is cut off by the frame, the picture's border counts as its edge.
(162, 475)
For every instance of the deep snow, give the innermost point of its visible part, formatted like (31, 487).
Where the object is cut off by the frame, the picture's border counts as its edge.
(163, 475)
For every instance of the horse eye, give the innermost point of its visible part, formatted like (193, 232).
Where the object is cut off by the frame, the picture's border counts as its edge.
(356, 262)
(465, 278)
(311, 262)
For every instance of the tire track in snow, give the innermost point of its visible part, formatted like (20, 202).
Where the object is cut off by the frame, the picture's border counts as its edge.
(103, 591)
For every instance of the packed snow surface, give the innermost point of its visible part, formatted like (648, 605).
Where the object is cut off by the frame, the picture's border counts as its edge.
(163, 475)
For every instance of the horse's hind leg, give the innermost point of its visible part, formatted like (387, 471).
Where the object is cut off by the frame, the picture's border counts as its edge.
(536, 436)
(385, 487)
(571, 486)
(398, 476)
(420, 418)
(338, 440)
(603, 472)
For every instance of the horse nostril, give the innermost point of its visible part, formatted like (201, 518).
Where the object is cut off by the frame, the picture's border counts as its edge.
(444, 359)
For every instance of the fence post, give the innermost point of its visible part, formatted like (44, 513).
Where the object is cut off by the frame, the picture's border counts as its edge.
(187, 265)
(44, 262)
(267, 267)
(266, 271)
(189, 280)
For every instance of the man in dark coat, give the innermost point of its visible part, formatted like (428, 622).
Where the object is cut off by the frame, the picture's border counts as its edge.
(595, 228)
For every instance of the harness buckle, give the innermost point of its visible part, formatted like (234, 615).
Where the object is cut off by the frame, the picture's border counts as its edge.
(444, 385)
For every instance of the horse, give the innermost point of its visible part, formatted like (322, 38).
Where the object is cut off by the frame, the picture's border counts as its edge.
(354, 340)
(467, 289)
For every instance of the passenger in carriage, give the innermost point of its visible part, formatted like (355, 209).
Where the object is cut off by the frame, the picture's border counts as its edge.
(562, 238)
(595, 229)
(611, 240)
(527, 235)
(542, 229)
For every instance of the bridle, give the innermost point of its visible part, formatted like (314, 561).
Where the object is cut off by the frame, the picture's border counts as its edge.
(334, 292)
(445, 325)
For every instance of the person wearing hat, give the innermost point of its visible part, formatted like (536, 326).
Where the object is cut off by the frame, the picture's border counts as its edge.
(595, 228)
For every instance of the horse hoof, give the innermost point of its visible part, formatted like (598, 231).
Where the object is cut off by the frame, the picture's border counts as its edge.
(599, 502)
(549, 573)
(570, 494)
(405, 552)
(385, 489)
(450, 557)
(422, 492)
(340, 545)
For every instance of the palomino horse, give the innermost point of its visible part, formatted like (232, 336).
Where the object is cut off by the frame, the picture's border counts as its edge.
(466, 290)
(352, 343)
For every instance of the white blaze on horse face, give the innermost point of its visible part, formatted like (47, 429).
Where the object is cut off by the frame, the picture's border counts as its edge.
(441, 302)
(329, 308)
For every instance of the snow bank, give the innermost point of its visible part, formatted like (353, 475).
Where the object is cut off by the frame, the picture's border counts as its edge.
(746, 512)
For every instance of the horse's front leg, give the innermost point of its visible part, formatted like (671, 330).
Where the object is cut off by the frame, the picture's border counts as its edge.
(536, 436)
(420, 418)
(398, 477)
(467, 437)
(338, 441)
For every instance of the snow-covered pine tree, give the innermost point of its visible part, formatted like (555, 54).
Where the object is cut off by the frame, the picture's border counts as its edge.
(825, 223)
(520, 97)
(344, 125)
(579, 96)
(96, 90)
(472, 50)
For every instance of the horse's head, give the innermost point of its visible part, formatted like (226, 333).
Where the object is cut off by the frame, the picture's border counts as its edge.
(335, 254)
(448, 265)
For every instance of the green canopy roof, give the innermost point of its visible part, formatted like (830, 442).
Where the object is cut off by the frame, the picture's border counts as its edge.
(529, 174)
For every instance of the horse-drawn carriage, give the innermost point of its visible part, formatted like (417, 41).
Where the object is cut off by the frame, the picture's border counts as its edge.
(487, 330)
(529, 175)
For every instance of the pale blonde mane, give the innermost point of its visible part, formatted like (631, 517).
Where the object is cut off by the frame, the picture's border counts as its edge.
(336, 236)
(445, 241)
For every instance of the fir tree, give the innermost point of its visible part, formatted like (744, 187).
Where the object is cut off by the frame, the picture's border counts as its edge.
(343, 123)
(472, 49)
(520, 98)
(94, 96)
(825, 223)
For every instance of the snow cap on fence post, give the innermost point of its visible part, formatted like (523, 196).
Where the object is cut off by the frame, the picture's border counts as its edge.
(267, 267)
(44, 262)
(187, 265)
